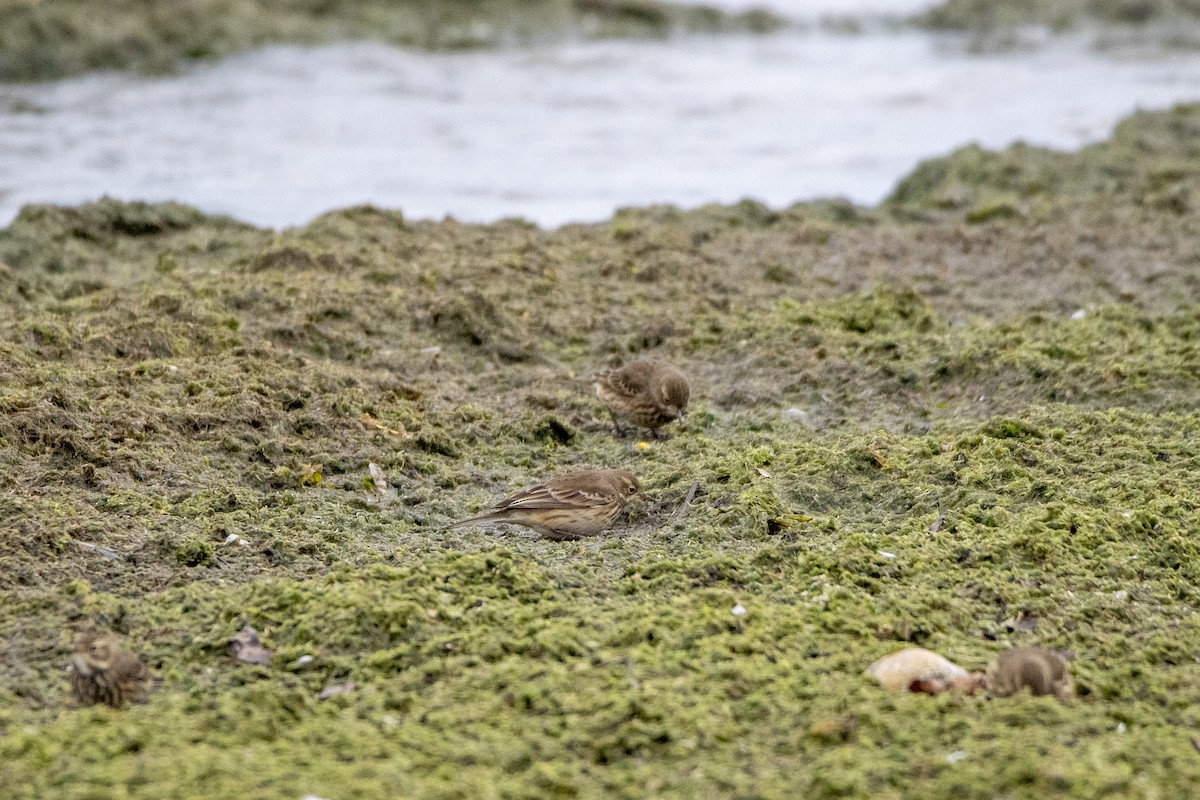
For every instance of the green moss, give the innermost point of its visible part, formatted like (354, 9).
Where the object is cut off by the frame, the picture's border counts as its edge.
(1059, 14)
(1150, 159)
(893, 445)
(192, 552)
(49, 40)
(1110, 25)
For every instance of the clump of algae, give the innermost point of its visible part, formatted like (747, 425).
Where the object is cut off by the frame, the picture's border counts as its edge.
(889, 445)
(49, 40)
(1110, 24)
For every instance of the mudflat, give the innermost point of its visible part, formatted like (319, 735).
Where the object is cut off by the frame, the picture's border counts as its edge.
(907, 424)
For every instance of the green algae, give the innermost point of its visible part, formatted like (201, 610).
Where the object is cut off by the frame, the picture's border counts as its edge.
(51, 39)
(907, 427)
(1109, 25)
(1163, 176)
(1059, 14)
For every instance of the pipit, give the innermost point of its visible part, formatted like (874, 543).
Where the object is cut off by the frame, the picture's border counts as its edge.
(647, 392)
(1042, 672)
(567, 507)
(101, 672)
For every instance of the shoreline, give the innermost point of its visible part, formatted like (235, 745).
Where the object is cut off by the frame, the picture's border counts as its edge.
(42, 41)
(46, 41)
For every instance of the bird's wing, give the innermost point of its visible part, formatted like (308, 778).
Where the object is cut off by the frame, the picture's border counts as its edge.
(554, 494)
(631, 379)
(127, 665)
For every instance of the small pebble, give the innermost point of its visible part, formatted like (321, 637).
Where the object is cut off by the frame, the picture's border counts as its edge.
(797, 415)
(955, 757)
(336, 689)
(739, 610)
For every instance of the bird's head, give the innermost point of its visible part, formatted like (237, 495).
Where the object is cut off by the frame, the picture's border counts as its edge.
(627, 485)
(673, 394)
(93, 652)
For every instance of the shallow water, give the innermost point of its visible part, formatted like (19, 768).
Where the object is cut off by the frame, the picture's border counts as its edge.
(562, 133)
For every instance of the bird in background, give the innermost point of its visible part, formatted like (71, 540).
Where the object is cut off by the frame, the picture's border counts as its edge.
(648, 393)
(102, 672)
(569, 506)
(1042, 672)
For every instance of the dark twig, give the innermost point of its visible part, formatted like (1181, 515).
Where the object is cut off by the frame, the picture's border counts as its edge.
(104, 551)
(687, 501)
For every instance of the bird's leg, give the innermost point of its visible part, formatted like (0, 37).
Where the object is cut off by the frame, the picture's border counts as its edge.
(617, 429)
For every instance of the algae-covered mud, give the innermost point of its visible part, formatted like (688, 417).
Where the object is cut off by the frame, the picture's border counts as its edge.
(47, 39)
(1110, 24)
(908, 424)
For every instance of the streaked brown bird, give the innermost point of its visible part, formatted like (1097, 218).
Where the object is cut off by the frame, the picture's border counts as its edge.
(101, 672)
(568, 506)
(1042, 672)
(647, 392)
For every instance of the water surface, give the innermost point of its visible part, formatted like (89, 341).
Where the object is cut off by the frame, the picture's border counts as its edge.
(560, 133)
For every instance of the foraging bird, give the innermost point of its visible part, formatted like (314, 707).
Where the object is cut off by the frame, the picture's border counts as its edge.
(1042, 672)
(647, 392)
(101, 672)
(567, 507)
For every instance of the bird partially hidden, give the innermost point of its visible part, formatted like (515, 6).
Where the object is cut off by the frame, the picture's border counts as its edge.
(569, 506)
(648, 393)
(1042, 672)
(102, 672)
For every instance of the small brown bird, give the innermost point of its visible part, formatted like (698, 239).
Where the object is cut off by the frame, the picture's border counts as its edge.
(569, 506)
(647, 392)
(1043, 672)
(101, 672)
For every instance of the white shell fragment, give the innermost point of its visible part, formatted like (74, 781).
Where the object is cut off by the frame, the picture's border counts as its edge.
(918, 669)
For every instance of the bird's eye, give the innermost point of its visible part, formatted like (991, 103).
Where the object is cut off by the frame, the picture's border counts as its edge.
(633, 490)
